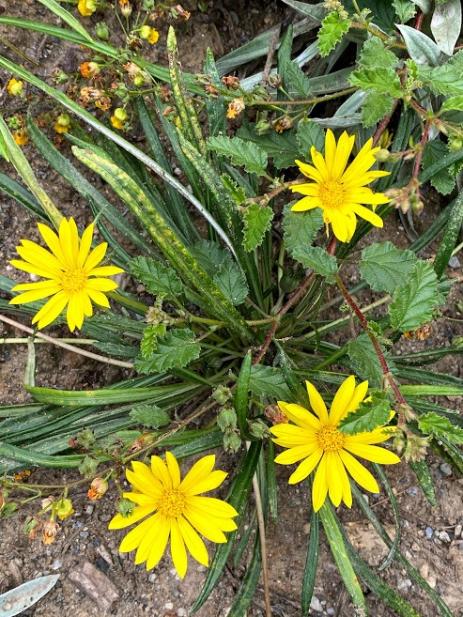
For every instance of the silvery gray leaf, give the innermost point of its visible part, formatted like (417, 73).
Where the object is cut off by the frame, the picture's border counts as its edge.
(446, 25)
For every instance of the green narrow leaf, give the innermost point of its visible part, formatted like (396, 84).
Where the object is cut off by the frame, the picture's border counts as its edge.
(311, 563)
(237, 498)
(451, 234)
(176, 349)
(385, 267)
(423, 474)
(368, 416)
(240, 152)
(16, 191)
(241, 400)
(246, 592)
(66, 16)
(338, 550)
(413, 303)
(257, 221)
(272, 485)
(158, 278)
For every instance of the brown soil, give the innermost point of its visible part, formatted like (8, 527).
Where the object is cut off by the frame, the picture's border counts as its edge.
(432, 538)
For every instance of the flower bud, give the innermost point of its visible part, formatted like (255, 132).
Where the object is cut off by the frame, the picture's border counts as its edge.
(89, 69)
(97, 489)
(102, 31)
(62, 124)
(15, 87)
(226, 420)
(222, 394)
(63, 508)
(49, 532)
(126, 8)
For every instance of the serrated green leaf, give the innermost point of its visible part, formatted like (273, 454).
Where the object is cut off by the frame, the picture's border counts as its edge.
(150, 416)
(300, 228)
(240, 152)
(445, 79)
(364, 360)
(377, 69)
(375, 107)
(317, 259)
(236, 192)
(443, 181)
(309, 134)
(232, 282)
(281, 147)
(295, 80)
(257, 221)
(453, 103)
(158, 278)
(368, 416)
(176, 349)
(405, 10)
(333, 28)
(385, 267)
(269, 382)
(149, 342)
(434, 424)
(413, 304)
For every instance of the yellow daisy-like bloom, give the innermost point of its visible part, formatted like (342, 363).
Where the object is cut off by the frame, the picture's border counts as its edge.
(339, 189)
(314, 438)
(177, 512)
(72, 276)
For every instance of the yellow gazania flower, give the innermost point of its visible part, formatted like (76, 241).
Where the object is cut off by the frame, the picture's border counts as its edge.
(339, 189)
(316, 440)
(72, 276)
(177, 512)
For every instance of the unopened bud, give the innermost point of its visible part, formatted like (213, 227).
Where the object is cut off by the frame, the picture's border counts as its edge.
(63, 508)
(97, 489)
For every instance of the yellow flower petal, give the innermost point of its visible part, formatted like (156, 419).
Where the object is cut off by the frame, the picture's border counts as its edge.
(333, 477)
(342, 399)
(193, 542)
(293, 455)
(139, 512)
(368, 215)
(52, 241)
(154, 545)
(132, 540)
(310, 171)
(206, 527)
(343, 152)
(358, 472)
(305, 468)
(306, 203)
(373, 453)
(50, 311)
(100, 284)
(95, 257)
(31, 269)
(316, 401)
(200, 471)
(160, 472)
(289, 436)
(377, 436)
(105, 271)
(330, 151)
(173, 468)
(143, 480)
(299, 415)
(320, 486)
(34, 295)
(212, 481)
(177, 549)
(98, 297)
(211, 506)
(85, 244)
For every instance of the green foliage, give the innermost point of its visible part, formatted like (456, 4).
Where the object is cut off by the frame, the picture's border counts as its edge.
(443, 181)
(405, 10)
(369, 415)
(175, 349)
(149, 342)
(414, 302)
(364, 360)
(150, 416)
(377, 69)
(453, 103)
(445, 79)
(333, 28)
(375, 107)
(436, 425)
(240, 152)
(300, 229)
(385, 267)
(158, 278)
(257, 221)
(282, 148)
(309, 134)
(269, 382)
(317, 259)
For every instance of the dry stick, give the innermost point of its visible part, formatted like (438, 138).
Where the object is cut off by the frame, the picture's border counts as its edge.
(263, 544)
(382, 126)
(58, 343)
(387, 375)
(311, 101)
(271, 51)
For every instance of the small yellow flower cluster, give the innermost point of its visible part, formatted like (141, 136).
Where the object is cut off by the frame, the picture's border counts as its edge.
(119, 118)
(147, 33)
(15, 87)
(87, 7)
(62, 124)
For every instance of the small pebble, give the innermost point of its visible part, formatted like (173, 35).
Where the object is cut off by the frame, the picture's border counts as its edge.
(404, 584)
(429, 532)
(169, 606)
(458, 530)
(446, 469)
(316, 605)
(56, 565)
(152, 577)
(181, 612)
(413, 491)
(330, 611)
(443, 536)
(89, 509)
(454, 262)
(306, 529)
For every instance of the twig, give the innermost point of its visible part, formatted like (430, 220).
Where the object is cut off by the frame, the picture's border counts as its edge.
(271, 51)
(382, 126)
(312, 101)
(59, 343)
(387, 375)
(263, 544)
(25, 340)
